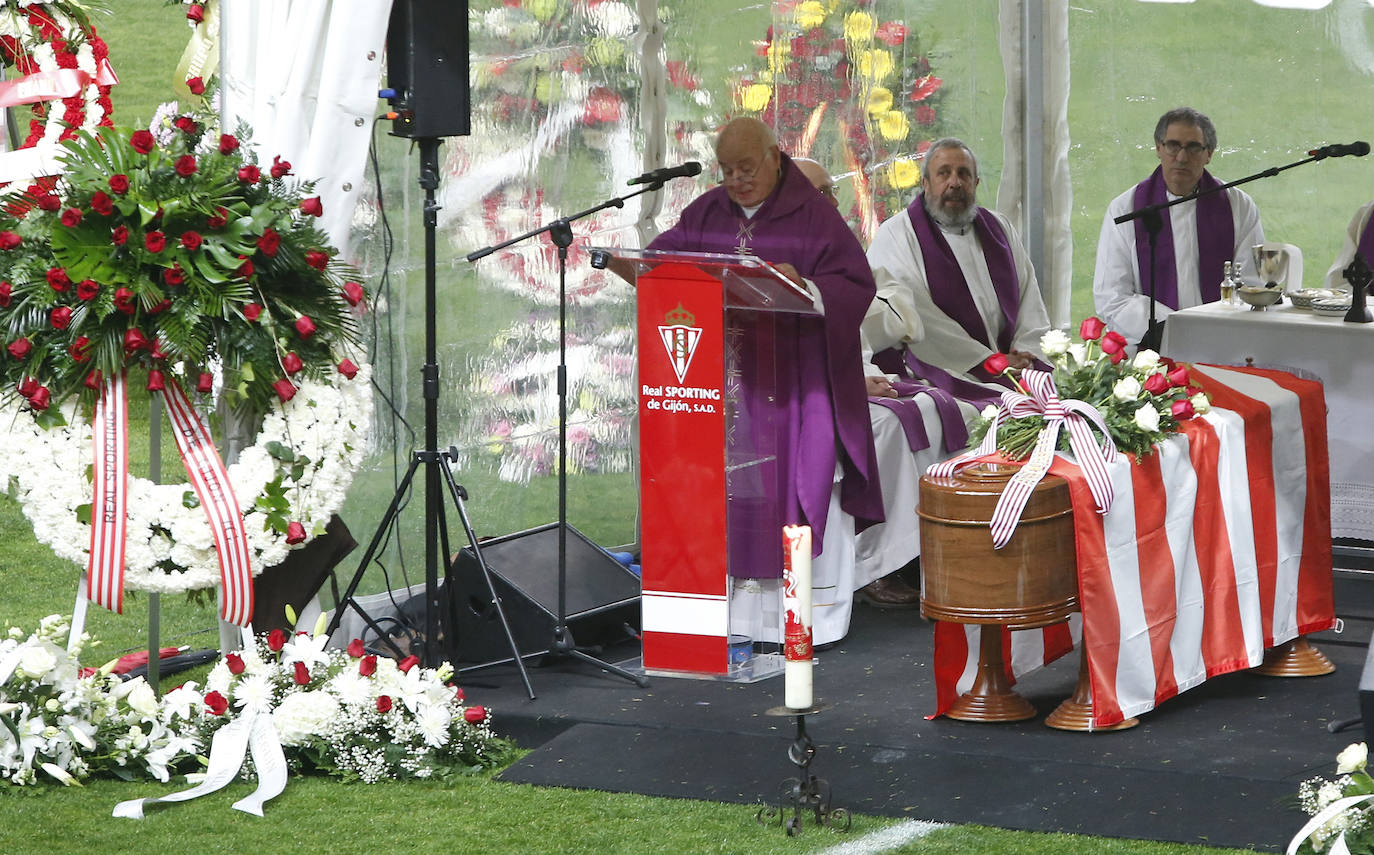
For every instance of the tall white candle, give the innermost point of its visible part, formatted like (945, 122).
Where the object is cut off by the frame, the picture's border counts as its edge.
(797, 666)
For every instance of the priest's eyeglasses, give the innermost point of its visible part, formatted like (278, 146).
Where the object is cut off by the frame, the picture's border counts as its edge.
(730, 173)
(1192, 149)
(828, 190)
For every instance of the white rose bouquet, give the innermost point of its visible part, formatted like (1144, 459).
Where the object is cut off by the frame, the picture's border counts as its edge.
(1340, 808)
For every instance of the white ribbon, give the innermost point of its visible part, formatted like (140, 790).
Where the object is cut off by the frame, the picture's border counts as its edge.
(1079, 416)
(252, 731)
(1324, 816)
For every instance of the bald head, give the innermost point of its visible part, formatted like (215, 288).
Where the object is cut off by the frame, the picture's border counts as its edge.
(749, 161)
(818, 176)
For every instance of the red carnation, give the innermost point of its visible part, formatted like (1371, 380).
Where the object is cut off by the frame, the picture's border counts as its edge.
(155, 381)
(316, 259)
(280, 168)
(10, 240)
(228, 143)
(142, 141)
(195, 13)
(996, 364)
(284, 389)
(367, 666)
(205, 383)
(348, 369)
(407, 663)
(1091, 329)
(301, 675)
(196, 85)
(61, 317)
(356, 648)
(124, 301)
(276, 639)
(305, 327)
(249, 173)
(383, 703)
(235, 663)
(93, 380)
(80, 349)
(135, 340)
(19, 348)
(58, 279)
(155, 241)
(312, 206)
(251, 312)
(353, 293)
(215, 703)
(119, 183)
(270, 242)
(292, 363)
(186, 165)
(475, 715)
(295, 533)
(40, 399)
(120, 235)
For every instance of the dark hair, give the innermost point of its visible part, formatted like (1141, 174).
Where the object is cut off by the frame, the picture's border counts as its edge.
(1187, 116)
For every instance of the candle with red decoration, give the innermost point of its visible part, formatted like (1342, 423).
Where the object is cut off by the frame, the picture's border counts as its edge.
(796, 601)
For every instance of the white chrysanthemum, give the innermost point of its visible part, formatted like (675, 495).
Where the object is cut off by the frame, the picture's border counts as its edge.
(304, 715)
(433, 721)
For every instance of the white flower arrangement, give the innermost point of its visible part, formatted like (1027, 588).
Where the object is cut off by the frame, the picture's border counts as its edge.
(304, 457)
(1341, 809)
(41, 57)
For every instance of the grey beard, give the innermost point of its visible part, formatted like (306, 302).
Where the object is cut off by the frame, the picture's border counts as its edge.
(950, 221)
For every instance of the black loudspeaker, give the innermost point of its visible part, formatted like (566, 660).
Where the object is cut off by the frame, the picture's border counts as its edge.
(602, 595)
(427, 68)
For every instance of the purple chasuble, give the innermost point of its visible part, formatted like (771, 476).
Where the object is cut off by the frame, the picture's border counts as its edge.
(821, 392)
(1216, 239)
(949, 288)
(1365, 249)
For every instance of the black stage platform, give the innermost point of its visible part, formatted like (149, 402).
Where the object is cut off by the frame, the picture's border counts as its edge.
(1219, 764)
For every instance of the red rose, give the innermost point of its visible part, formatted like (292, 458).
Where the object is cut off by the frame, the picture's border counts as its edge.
(276, 639)
(367, 666)
(174, 275)
(251, 312)
(348, 369)
(135, 340)
(185, 124)
(191, 240)
(58, 279)
(195, 13)
(1179, 376)
(246, 269)
(124, 301)
(383, 703)
(71, 218)
(158, 308)
(292, 363)
(312, 206)
(407, 663)
(216, 703)
(119, 183)
(87, 289)
(61, 317)
(5, 290)
(94, 380)
(924, 114)
(217, 219)
(101, 203)
(357, 649)
(1156, 384)
(295, 533)
(249, 173)
(891, 33)
(186, 165)
(155, 241)
(317, 259)
(80, 349)
(353, 293)
(1113, 343)
(158, 352)
(235, 663)
(302, 675)
(10, 240)
(49, 202)
(1091, 329)
(120, 235)
(475, 715)
(27, 387)
(458, 694)
(270, 242)
(40, 399)
(305, 327)
(1116, 357)
(142, 141)
(228, 143)
(155, 381)
(20, 347)
(1182, 409)
(280, 168)
(284, 389)
(996, 364)
(196, 85)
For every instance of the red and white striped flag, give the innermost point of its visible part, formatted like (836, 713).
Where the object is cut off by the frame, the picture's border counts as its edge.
(109, 506)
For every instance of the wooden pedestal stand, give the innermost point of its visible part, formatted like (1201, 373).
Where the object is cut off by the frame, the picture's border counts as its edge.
(1076, 712)
(1294, 658)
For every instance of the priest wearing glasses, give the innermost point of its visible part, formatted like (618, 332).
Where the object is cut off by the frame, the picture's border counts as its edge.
(1196, 239)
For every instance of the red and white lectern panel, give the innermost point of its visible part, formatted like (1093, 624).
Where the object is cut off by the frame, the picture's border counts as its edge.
(708, 326)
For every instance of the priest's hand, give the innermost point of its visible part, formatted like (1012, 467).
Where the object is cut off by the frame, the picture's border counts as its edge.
(791, 273)
(1020, 359)
(879, 387)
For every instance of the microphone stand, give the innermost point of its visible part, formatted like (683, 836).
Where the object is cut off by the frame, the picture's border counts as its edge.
(560, 233)
(1154, 222)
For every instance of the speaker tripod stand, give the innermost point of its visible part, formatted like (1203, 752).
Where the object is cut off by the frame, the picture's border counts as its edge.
(440, 622)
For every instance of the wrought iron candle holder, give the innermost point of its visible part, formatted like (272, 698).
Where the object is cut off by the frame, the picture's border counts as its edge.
(806, 792)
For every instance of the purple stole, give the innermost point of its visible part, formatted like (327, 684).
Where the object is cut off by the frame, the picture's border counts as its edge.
(1216, 239)
(909, 415)
(949, 288)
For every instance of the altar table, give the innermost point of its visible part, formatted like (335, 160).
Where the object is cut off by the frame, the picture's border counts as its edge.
(1217, 547)
(1284, 337)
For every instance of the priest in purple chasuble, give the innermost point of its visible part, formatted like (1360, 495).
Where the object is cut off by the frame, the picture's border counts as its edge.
(967, 275)
(1196, 240)
(767, 208)
(1359, 237)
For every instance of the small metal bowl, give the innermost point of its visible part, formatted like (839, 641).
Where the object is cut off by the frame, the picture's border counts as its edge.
(1259, 298)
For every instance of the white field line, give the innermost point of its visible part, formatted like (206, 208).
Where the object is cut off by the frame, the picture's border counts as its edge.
(886, 840)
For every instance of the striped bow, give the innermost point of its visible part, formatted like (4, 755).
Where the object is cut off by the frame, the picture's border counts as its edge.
(1080, 417)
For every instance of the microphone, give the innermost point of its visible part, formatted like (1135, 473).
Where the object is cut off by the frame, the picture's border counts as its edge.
(1358, 149)
(691, 167)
